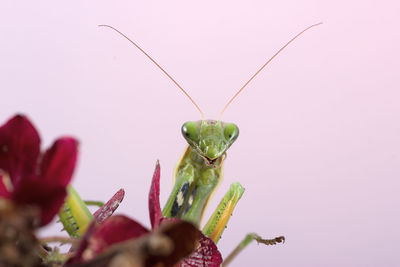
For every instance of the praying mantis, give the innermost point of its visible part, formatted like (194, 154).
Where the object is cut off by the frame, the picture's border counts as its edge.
(197, 174)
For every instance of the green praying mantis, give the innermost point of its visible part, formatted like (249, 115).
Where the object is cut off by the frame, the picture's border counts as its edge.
(196, 176)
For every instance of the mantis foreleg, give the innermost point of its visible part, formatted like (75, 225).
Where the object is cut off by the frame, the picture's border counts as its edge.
(74, 215)
(246, 241)
(219, 219)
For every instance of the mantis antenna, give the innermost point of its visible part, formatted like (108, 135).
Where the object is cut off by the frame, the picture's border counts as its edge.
(149, 57)
(269, 60)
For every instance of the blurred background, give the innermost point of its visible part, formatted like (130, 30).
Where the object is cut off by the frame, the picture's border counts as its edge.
(319, 144)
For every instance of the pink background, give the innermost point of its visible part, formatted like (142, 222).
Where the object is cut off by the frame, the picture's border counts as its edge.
(319, 147)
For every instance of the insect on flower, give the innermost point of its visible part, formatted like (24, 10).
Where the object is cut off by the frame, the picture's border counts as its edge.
(199, 171)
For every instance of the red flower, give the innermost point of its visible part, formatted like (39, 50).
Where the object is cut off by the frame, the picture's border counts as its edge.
(119, 228)
(29, 177)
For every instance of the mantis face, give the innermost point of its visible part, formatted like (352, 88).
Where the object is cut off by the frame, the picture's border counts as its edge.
(209, 138)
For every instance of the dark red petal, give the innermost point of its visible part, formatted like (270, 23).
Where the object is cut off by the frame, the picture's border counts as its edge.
(183, 236)
(169, 219)
(115, 229)
(4, 193)
(205, 254)
(19, 148)
(37, 191)
(59, 162)
(108, 209)
(154, 198)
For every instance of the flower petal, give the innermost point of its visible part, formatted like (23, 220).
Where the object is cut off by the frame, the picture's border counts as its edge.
(19, 148)
(205, 254)
(154, 198)
(4, 189)
(115, 229)
(38, 192)
(183, 236)
(59, 162)
(48, 190)
(108, 209)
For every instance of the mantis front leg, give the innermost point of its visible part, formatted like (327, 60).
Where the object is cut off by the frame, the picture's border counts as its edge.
(76, 217)
(219, 219)
(247, 240)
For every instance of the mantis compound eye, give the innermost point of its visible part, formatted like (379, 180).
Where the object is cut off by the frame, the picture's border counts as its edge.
(190, 130)
(231, 132)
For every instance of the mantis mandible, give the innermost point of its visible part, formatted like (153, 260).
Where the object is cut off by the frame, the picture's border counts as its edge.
(198, 172)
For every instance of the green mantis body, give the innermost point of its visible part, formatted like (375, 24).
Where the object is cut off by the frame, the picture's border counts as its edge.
(200, 169)
(196, 176)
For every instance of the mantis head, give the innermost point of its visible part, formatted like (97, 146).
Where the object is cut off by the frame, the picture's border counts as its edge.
(209, 138)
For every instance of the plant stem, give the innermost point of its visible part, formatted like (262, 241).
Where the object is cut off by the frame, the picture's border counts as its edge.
(60, 239)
